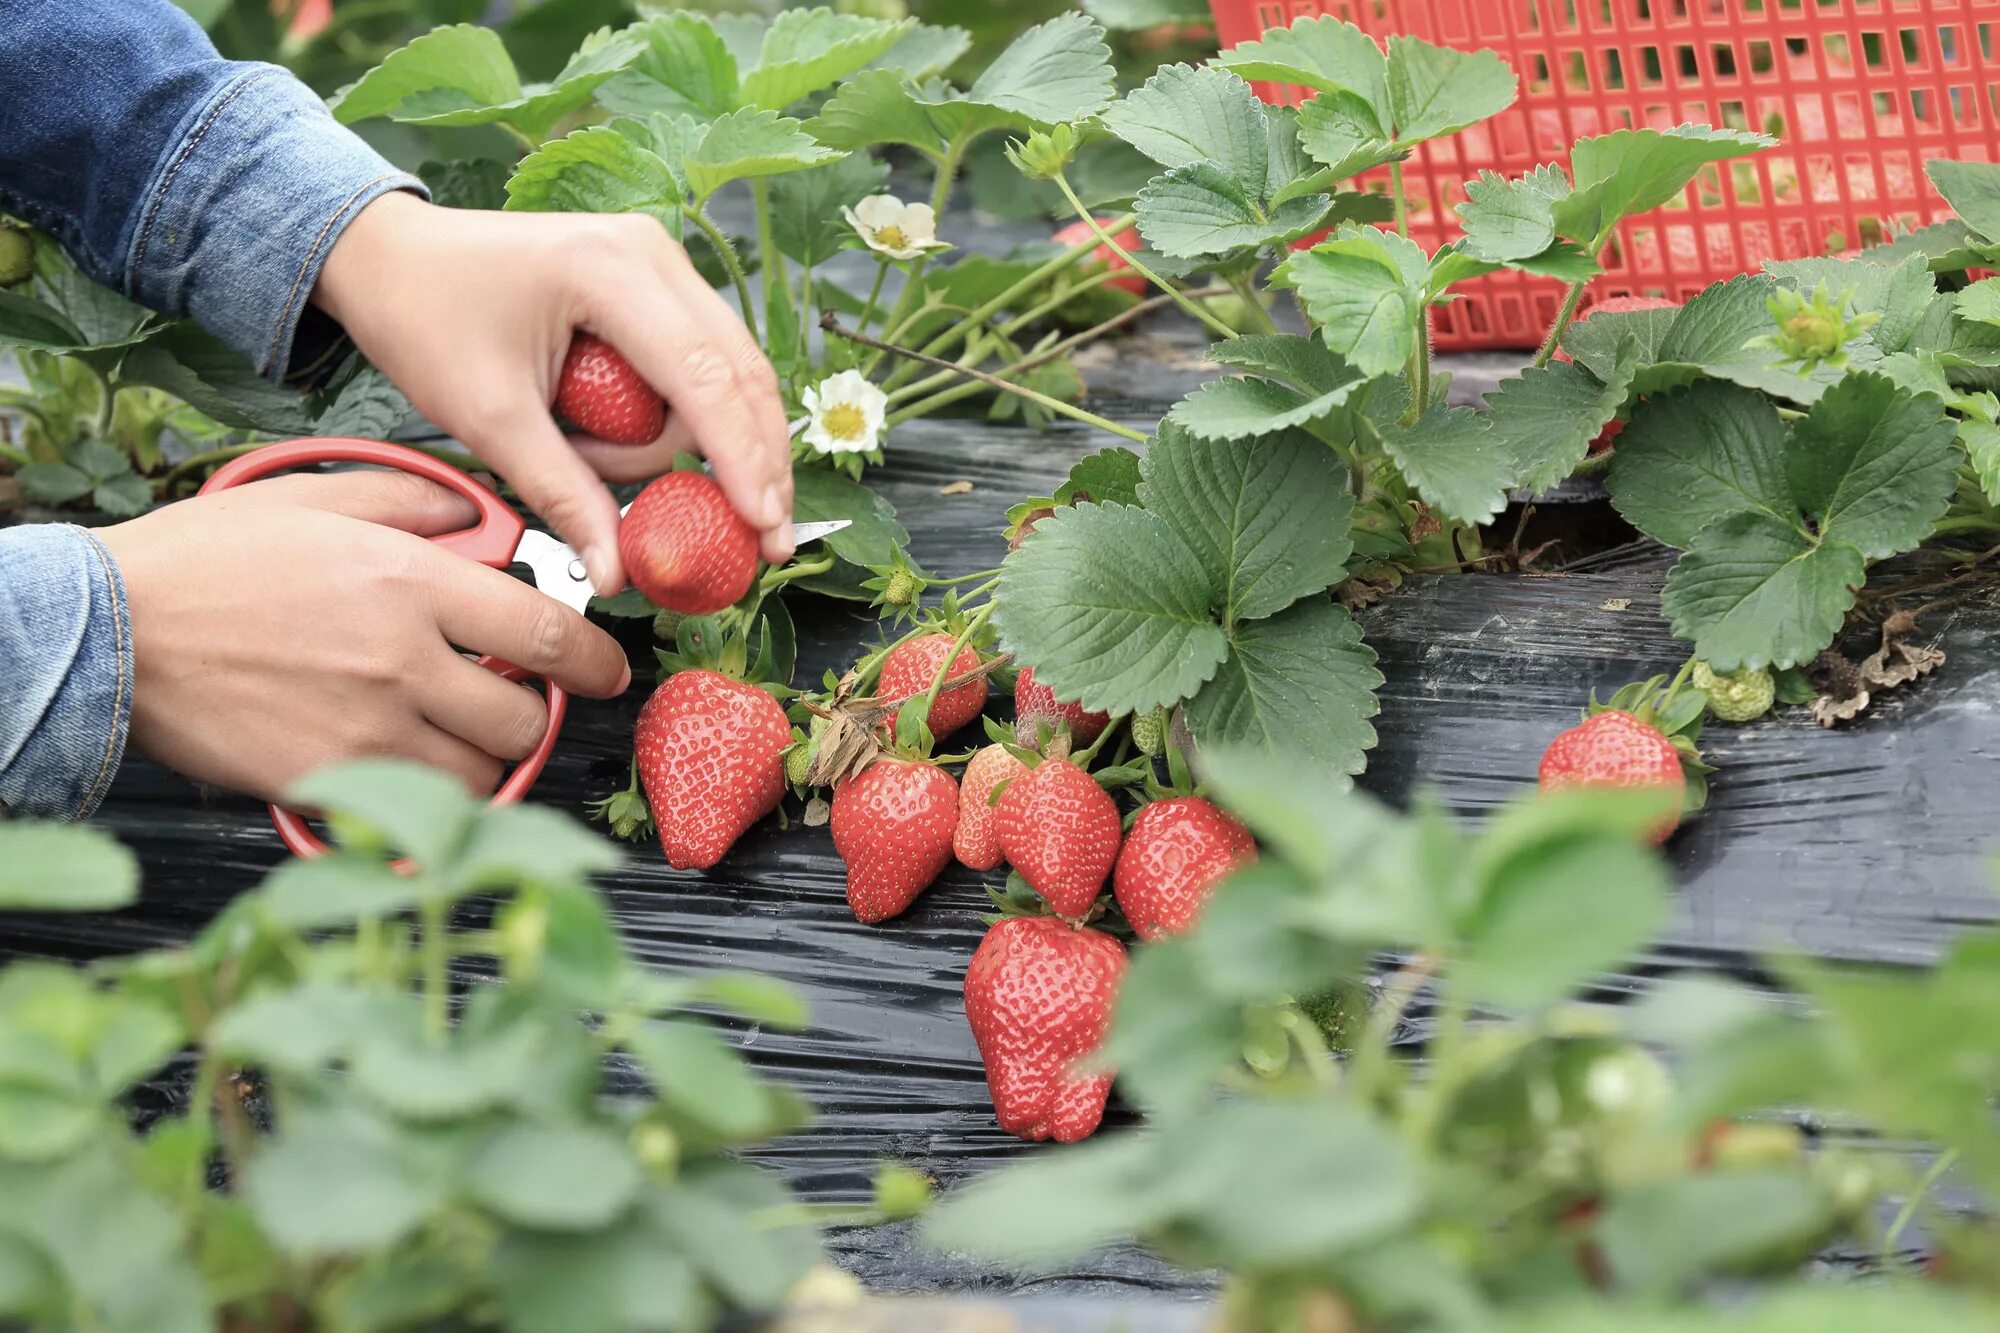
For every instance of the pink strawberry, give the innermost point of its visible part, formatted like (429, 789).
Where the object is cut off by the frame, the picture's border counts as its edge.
(892, 824)
(1112, 257)
(602, 395)
(912, 665)
(711, 755)
(1039, 995)
(977, 841)
(1176, 851)
(1061, 831)
(1036, 709)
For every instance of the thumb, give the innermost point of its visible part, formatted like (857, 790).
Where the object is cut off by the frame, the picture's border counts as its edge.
(377, 495)
(522, 444)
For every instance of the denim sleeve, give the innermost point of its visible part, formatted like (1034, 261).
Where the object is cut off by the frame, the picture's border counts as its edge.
(65, 670)
(195, 185)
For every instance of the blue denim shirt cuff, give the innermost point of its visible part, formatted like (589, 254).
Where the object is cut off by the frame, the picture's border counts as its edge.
(239, 217)
(65, 670)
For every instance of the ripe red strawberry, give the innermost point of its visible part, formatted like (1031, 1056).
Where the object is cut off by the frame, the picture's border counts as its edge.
(1174, 854)
(1111, 256)
(1614, 749)
(909, 669)
(892, 824)
(1615, 305)
(1060, 830)
(602, 395)
(685, 547)
(1039, 994)
(977, 841)
(1036, 709)
(711, 755)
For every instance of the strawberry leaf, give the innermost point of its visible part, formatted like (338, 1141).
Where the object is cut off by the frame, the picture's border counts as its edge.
(805, 50)
(1903, 294)
(1365, 288)
(806, 222)
(1694, 454)
(599, 170)
(1054, 72)
(461, 75)
(1510, 219)
(1321, 53)
(1300, 681)
(750, 143)
(1109, 476)
(1756, 591)
(1341, 132)
(1199, 209)
(1544, 419)
(1267, 519)
(1873, 464)
(1634, 171)
(1439, 90)
(925, 51)
(1111, 608)
(1184, 116)
(1450, 456)
(872, 540)
(1973, 191)
(685, 69)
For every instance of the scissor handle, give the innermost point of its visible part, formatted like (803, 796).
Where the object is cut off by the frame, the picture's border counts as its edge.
(491, 541)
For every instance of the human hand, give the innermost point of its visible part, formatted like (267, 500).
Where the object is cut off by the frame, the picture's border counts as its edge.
(301, 621)
(471, 314)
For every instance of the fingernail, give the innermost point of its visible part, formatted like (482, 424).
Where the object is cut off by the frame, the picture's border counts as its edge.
(788, 539)
(598, 565)
(773, 508)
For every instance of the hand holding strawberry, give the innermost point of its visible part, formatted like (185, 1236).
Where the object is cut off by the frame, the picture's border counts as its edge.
(685, 548)
(601, 394)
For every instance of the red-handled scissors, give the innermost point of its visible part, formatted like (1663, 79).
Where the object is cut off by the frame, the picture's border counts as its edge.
(499, 539)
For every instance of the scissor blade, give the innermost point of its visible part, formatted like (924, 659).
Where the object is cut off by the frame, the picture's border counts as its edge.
(812, 532)
(558, 572)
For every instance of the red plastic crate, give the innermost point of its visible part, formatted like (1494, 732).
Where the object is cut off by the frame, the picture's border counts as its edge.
(1860, 93)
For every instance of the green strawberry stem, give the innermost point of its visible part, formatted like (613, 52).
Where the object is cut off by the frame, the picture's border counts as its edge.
(1399, 198)
(874, 296)
(979, 314)
(1013, 325)
(1918, 1200)
(972, 627)
(1311, 1046)
(802, 569)
(833, 325)
(1571, 299)
(1240, 284)
(727, 254)
(777, 276)
(1194, 308)
(436, 953)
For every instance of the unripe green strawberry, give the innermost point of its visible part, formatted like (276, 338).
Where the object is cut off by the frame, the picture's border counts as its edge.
(1743, 697)
(1149, 732)
(667, 626)
(797, 760)
(17, 257)
(902, 590)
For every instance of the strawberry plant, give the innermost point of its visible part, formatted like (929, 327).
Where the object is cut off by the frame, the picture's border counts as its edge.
(369, 1144)
(1551, 1162)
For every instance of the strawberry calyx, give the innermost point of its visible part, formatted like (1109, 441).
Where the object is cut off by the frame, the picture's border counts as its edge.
(1674, 709)
(626, 810)
(723, 644)
(1017, 898)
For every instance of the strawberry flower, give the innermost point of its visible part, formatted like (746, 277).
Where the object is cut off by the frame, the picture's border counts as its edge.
(845, 414)
(894, 229)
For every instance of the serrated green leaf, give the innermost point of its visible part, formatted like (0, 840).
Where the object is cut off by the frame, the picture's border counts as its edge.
(885, 107)
(925, 51)
(1544, 419)
(55, 483)
(1449, 455)
(30, 325)
(123, 496)
(1111, 608)
(697, 1074)
(1595, 341)
(1109, 476)
(335, 1182)
(805, 50)
(1439, 90)
(412, 1076)
(64, 868)
(553, 1177)
(597, 170)
(1756, 591)
(1301, 681)
(632, 1277)
(514, 845)
(299, 1031)
(1634, 171)
(461, 75)
(750, 143)
(873, 537)
(417, 810)
(1343, 133)
(1199, 210)
(334, 891)
(806, 221)
(1900, 293)
(1707, 338)
(1873, 464)
(1185, 115)
(196, 367)
(1268, 518)
(1973, 191)
(1354, 286)
(1511, 219)
(685, 69)
(1692, 455)
(712, 1213)
(1054, 72)
(1323, 53)
(1239, 409)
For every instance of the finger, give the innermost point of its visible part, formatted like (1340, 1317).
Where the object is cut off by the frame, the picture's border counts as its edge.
(706, 365)
(517, 436)
(479, 771)
(498, 716)
(378, 495)
(487, 611)
(641, 462)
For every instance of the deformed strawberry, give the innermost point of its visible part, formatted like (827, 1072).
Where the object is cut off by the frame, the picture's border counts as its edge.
(600, 394)
(892, 824)
(1061, 831)
(1039, 994)
(686, 547)
(711, 756)
(977, 841)
(1177, 850)
(908, 670)
(1037, 711)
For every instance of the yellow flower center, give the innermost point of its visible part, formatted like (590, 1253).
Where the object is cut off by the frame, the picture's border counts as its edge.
(844, 421)
(892, 238)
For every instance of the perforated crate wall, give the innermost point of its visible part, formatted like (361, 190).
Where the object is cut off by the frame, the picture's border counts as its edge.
(1860, 93)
